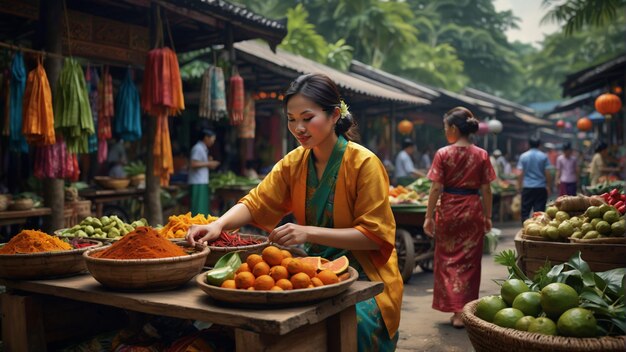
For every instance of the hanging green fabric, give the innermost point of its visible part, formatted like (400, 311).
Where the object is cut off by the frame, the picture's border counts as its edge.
(71, 108)
(17, 142)
(128, 110)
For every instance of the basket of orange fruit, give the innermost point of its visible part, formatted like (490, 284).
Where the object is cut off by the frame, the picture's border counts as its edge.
(275, 277)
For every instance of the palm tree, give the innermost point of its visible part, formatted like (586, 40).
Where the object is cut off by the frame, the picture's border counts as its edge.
(579, 13)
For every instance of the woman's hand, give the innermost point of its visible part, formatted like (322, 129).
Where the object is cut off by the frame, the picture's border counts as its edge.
(429, 227)
(487, 224)
(203, 233)
(289, 234)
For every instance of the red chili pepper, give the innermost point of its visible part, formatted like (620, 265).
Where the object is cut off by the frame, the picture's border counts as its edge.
(619, 204)
(614, 192)
(622, 209)
(605, 195)
(623, 197)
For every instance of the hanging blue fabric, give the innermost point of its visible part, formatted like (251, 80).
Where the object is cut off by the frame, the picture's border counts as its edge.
(18, 84)
(92, 79)
(127, 110)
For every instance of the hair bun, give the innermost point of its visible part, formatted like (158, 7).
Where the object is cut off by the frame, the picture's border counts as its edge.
(472, 124)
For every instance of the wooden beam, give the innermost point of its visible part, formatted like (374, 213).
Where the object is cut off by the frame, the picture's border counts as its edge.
(195, 15)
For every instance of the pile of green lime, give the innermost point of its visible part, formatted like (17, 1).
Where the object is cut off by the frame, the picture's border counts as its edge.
(554, 310)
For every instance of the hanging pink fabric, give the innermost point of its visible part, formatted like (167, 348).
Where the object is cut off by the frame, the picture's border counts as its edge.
(103, 151)
(236, 96)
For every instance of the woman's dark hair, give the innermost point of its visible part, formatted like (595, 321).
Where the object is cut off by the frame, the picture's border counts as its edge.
(601, 146)
(463, 119)
(324, 92)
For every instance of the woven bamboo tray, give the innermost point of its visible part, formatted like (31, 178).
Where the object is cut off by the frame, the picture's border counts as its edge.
(45, 265)
(112, 183)
(489, 337)
(245, 251)
(146, 274)
(275, 298)
(604, 240)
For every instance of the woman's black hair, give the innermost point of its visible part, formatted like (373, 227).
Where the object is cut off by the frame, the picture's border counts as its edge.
(324, 92)
(601, 146)
(463, 119)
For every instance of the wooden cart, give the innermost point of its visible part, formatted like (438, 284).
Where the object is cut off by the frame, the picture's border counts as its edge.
(413, 246)
(28, 311)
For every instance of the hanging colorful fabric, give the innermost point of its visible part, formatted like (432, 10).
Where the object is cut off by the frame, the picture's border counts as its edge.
(204, 107)
(105, 105)
(247, 128)
(17, 142)
(38, 117)
(71, 108)
(236, 95)
(127, 110)
(163, 159)
(162, 90)
(6, 82)
(92, 79)
(218, 94)
(53, 161)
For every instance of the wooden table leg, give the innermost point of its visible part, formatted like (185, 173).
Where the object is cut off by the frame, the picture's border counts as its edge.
(342, 334)
(22, 323)
(308, 338)
(99, 209)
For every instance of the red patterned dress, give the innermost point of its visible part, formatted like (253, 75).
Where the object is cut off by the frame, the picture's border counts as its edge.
(459, 224)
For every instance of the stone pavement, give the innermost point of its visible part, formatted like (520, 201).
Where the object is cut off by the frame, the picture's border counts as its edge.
(425, 329)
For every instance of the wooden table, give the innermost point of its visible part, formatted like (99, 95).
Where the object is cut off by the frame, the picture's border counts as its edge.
(100, 196)
(19, 216)
(326, 325)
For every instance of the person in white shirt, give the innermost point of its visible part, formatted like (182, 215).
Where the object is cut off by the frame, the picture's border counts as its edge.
(405, 168)
(200, 163)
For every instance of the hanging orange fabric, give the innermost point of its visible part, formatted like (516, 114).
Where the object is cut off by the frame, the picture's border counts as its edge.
(162, 85)
(37, 115)
(163, 159)
(236, 95)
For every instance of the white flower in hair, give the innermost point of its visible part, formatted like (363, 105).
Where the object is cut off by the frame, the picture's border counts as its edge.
(343, 109)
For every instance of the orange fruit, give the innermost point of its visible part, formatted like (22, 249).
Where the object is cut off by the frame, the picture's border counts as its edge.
(276, 288)
(328, 277)
(261, 269)
(300, 280)
(310, 286)
(251, 288)
(228, 284)
(284, 284)
(244, 280)
(294, 266)
(309, 269)
(272, 255)
(286, 261)
(314, 261)
(337, 266)
(263, 283)
(243, 267)
(286, 253)
(253, 259)
(317, 282)
(279, 272)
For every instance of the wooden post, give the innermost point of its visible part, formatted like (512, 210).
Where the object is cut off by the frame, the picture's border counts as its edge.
(393, 131)
(22, 326)
(152, 199)
(51, 13)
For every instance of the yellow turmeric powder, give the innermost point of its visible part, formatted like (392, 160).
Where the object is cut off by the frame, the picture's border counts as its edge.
(33, 241)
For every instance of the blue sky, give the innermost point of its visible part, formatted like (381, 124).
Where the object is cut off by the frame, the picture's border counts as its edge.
(530, 12)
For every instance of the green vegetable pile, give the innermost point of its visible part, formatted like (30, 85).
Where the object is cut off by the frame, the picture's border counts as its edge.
(606, 187)
(135, 168)
(421, 185)
(230, 179)
(110, 227)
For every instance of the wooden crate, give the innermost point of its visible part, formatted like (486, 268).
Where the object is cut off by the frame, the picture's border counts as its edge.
(600, 257)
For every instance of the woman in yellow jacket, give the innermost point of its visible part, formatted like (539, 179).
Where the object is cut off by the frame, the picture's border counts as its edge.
(338, 192)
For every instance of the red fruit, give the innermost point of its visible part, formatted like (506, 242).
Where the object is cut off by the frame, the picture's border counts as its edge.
(623, 197)
(622, 209)
(605, 195)
(614, 192)
(611, 201)
(619, 204)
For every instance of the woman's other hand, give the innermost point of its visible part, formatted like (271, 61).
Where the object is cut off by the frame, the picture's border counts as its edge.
(429, 227)
(289, 234)
(488, 224)
(203, 233)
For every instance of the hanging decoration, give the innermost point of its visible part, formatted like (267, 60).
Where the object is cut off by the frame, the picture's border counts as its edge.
(204, 107)
(71, 108)
(6, 82)
(494, 126)
(405, 127)
(38, 117)
(608, 104)
(92, 79)
(163, 159)
(483, 128)
(54, 161)
(584, 124)
(218, 94)
(162, 90)
(247, 128)
(17, 142)
(560, 124)
(127, 110)
(236, 95)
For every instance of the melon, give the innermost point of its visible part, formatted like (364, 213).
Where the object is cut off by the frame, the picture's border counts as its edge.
(337, 266)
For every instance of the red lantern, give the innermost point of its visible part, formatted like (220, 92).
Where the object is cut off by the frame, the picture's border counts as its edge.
(560, 124)
(584, 124)
(608, 104)
(405, 126)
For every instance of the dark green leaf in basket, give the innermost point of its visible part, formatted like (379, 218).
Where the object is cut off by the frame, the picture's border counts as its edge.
(615, 281)
(231, 259)
(590, 295)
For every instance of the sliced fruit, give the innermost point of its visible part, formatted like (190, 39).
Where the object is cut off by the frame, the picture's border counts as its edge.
(315, 261)
(337, 266)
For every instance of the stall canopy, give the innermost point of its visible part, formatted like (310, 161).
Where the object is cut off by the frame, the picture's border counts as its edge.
(596, 77)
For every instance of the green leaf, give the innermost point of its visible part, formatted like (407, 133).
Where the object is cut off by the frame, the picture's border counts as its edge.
(231, 259)
(615, 281)
(591, 296)
(577, 262)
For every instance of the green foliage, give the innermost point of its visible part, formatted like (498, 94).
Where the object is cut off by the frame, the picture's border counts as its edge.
(577, 14)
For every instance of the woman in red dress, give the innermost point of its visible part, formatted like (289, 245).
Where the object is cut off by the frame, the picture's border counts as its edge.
(461, 173)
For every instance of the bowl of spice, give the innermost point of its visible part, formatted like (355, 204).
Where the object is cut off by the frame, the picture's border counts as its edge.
(229, 242)
(34, 254)
(143, 260)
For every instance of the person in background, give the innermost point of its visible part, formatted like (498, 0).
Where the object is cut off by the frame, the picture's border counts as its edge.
(405, 169)
(534, 179)
(117, 159)
(425, 160)
(338, 193)
(599, 165)
(250, 170)
(567, 171)
(200, 163)
(461, 173)
(501, 163)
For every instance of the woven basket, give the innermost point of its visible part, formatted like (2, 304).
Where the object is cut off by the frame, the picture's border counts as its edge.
(21, 204)
(145, 274)
(112, 183)
(245, 251)
(604, 240)
(489, 337)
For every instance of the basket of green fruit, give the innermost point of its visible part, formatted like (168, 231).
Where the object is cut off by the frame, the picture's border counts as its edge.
(106, 228)
(565, 308)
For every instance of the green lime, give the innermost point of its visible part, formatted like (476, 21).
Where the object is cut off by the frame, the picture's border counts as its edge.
(552, 232)
(591, 235)
(542, 326)
(577, 234)
(528, 222)
(593, 212)
(561, 216)
(488, 306)
(603, 227)
(586, 227)
(507, 317)
(544, 232)
(558, 297)
(554, 223)
(565, 229)
(577, 322)
(617, 229)
(611, 216)
(533, 230)
(529, 303)
(524, 322)
(604, 208)
(575, 221)
(594, 222)
(551, 211)
(511, 288)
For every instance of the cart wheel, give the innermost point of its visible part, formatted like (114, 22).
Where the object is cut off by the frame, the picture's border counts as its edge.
(109, 210)
(406, 254)
(426, 265)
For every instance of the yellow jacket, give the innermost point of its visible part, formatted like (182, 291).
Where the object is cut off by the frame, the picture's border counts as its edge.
(361, 201)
